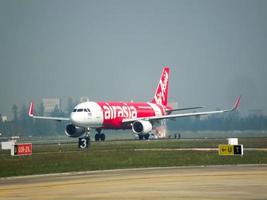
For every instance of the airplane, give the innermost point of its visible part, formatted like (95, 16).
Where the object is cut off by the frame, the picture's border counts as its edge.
(138, 116)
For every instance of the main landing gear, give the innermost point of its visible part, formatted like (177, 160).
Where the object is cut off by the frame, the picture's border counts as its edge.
(99, 136)
(141, 137)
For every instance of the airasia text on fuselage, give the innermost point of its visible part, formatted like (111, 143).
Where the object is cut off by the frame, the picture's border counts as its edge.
(119, 111)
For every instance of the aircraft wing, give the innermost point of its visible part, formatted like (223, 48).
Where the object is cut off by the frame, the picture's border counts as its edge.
(236, 105)
(180, 109)
(31, 110)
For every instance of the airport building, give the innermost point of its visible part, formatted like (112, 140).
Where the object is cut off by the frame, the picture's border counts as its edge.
(3, 118)
(50, 104)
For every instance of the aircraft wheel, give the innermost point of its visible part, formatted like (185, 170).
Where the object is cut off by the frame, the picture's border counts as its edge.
(97, 137)
(102, 137)
(141, 137)
(146, 136)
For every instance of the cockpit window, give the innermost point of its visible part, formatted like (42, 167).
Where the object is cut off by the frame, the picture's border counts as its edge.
(81, 110)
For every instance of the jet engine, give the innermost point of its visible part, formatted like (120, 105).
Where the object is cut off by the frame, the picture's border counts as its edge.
(74, 131)
(141, 127)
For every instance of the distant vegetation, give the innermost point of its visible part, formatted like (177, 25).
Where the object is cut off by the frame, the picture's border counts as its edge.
(22, 125)
(221, 122)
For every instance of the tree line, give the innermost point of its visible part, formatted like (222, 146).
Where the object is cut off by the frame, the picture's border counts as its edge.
(22, 125)
(221, 122)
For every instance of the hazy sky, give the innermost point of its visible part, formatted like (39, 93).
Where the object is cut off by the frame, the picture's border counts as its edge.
(115, 50)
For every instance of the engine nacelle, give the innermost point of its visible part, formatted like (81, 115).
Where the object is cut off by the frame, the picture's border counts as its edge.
(141, 127)
(74, 131)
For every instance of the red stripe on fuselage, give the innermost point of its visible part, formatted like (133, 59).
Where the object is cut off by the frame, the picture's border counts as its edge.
(115, 112)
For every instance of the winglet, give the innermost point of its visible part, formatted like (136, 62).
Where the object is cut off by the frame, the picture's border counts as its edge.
(31, 109)
(237, 103)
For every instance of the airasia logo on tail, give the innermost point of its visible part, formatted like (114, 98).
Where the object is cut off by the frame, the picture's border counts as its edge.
(114, 111)
(161, 95)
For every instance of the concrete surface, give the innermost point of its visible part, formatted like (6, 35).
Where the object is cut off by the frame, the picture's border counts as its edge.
(213, 182)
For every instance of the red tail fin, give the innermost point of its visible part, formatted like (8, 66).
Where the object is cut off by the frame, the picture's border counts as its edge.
(161, 95)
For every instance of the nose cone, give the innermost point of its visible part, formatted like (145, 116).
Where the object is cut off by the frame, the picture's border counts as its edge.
(75, 118)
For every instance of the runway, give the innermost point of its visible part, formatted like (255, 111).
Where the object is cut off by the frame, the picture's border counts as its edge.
(212, 182)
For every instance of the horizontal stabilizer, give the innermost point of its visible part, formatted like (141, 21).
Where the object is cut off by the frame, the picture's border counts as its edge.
(180, 109)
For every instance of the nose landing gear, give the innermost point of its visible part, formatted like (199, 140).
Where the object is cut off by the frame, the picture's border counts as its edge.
(84, 141)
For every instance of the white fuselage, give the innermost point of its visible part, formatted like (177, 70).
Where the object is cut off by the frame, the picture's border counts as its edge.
(87, 114)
